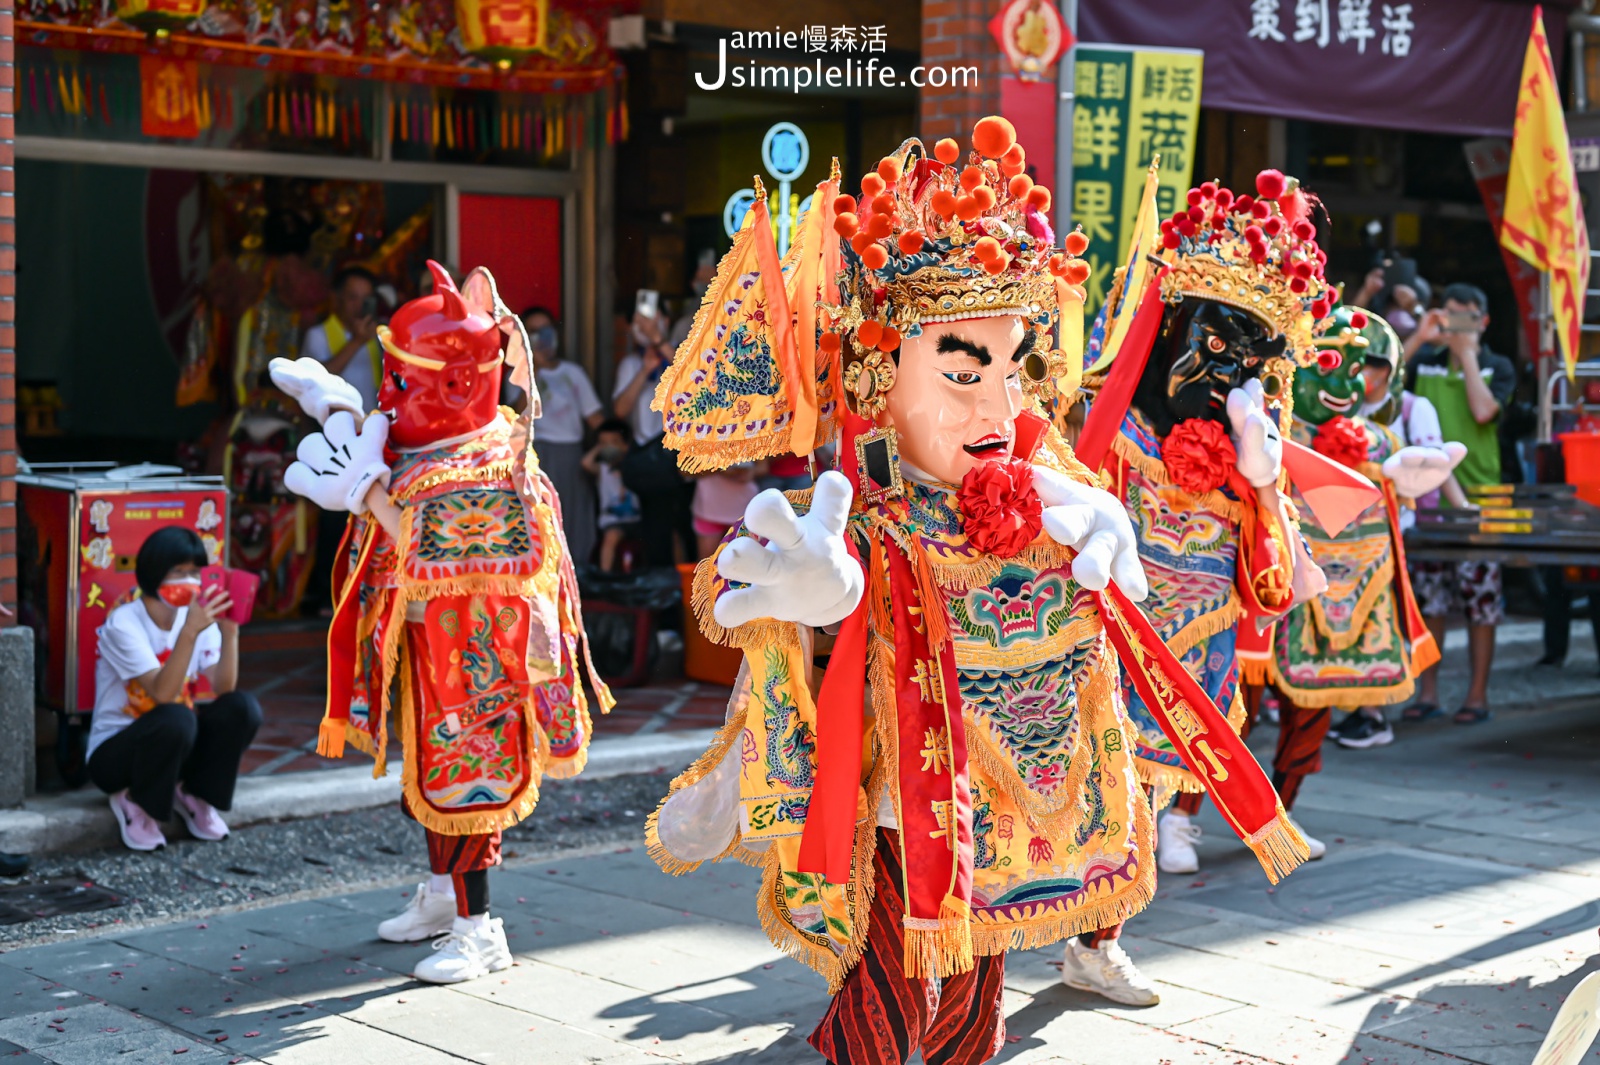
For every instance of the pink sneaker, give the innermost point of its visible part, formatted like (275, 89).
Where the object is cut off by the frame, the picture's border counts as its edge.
(139, 830)
(202, 818)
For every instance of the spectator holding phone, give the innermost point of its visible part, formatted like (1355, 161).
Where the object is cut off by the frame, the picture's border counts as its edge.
(1448, 364)
(568, 408)
(346, 341)
(152, 748)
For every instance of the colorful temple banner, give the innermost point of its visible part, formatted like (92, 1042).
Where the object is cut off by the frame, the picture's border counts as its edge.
(169, 97)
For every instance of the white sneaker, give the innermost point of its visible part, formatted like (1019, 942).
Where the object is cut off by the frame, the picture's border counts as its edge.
(202, 818)
(427, 915)
(1107, 971)
(1317, 847)
(1176, 836)
(466, 952)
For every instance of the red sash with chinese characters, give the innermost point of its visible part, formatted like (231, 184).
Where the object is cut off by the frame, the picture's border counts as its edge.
(935, 799)
(1235, 782)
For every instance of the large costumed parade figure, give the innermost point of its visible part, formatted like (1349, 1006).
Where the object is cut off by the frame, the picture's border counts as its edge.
(958, 779)
(1363, 641)
(1195, 352)
(456, 601)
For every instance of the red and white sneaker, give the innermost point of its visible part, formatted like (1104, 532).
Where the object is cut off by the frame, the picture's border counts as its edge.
(139, 830)
(202, 818)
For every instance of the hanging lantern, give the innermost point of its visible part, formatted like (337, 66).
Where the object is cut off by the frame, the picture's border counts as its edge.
(502, 31)
(160, 16)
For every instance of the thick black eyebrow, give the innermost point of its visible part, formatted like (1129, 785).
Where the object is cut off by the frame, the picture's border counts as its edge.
(1029, 339)
(950, 344)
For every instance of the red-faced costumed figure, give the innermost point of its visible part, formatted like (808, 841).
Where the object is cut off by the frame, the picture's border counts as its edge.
(457, 604)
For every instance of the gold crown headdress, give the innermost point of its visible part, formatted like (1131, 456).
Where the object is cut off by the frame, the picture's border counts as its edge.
(933, 241)
(1256, 252)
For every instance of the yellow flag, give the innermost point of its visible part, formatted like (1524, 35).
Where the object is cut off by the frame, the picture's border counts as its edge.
(1544, 216)
(1140, 247)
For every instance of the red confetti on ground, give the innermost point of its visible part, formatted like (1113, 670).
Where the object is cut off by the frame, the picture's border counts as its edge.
(251, 1035)
(181, 1050)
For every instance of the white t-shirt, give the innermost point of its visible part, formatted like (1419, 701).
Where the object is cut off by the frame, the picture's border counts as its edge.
(568, 400)
(131, 645)
(358, 371)
(647, 423)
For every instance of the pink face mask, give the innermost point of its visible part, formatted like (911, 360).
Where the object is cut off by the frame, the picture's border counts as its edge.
(178, 593)
(951, 409)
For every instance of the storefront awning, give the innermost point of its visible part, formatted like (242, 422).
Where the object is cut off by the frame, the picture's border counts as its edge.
(539, 46)
(1444, 66)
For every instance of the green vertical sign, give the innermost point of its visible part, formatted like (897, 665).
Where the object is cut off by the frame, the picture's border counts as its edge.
(1101, 80)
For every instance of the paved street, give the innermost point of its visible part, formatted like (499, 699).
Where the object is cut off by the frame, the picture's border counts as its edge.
(1457, 905)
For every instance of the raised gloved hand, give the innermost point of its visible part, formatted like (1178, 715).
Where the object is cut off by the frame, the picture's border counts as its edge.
(1419, 469)
(805, 572)
(1094, 523)
(338, 466)
(318, 392)
(1256, 439)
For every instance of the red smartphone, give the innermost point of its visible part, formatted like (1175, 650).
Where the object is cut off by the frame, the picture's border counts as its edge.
(213, 577)
(242, 587)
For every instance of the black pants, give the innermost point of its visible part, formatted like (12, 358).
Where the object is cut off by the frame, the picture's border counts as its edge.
(1558, 612)
(171, 745)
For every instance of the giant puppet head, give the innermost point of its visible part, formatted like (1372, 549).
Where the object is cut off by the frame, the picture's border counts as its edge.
(951, 287)
(1334, 386)
(1243, 285)
(442, 358)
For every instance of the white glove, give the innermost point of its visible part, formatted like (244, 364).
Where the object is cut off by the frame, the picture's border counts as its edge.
(1418, 470)
(338, 466)
(1256, 439)
(318, 392)
(1094, 523)
(805, 572)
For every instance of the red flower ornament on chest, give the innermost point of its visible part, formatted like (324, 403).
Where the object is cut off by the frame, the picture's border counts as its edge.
(1001, 513)
(1342, 440)
(1198, 455)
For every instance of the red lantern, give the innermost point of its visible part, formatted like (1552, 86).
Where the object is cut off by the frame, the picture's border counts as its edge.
(502, 31)
(160, 16)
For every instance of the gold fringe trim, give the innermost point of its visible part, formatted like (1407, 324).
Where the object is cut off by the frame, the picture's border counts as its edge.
(331, 736)
(1166, 777)
(940, 947)
(499, 470)
(1342, 698)
(757, 635)
(1279, 846)
(1343, 641)
(1043, 553)
(826, 956)
(710, 456)
(1156, 470)
(1207, 625)
(721, 744)
(1045, 928)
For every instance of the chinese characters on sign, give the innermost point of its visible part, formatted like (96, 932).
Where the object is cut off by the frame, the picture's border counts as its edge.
(845, 38)
(1128, 106)
(1352, 23)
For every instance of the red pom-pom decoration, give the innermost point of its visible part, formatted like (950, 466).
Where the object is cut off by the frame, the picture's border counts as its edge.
(846, 225)
(985, 197)
(1076, 243)
(971, 177)
(890, 339)
(993, 136)
(944, 202)
(1039, 198)
(1300, 268)
(1171, 239)
(1254, 235)
(1076, 272)
(1208, 189)
(947, 151)
(1224, 198)
(1197, 215)
(889, 170)
(1259, 209)
(1358, 320)
(986, 249)
(910, 241)
(1320, 308)
(1219, 221)
(1019, 186)
(1341, 440)
(871, 185)
(996, 265)
(844, 204)
(883, 203)
(1304, 230)
(878, 226)
(829, 343)
(967, 208)
(1001, 513)
(875, 257)
(1298, 284)
(1186, 227)
(860, 242)
(1198, 455)
(868, 333)
(1270, 184)
(1194, 196)
(1329, 360)
(1272, 226)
